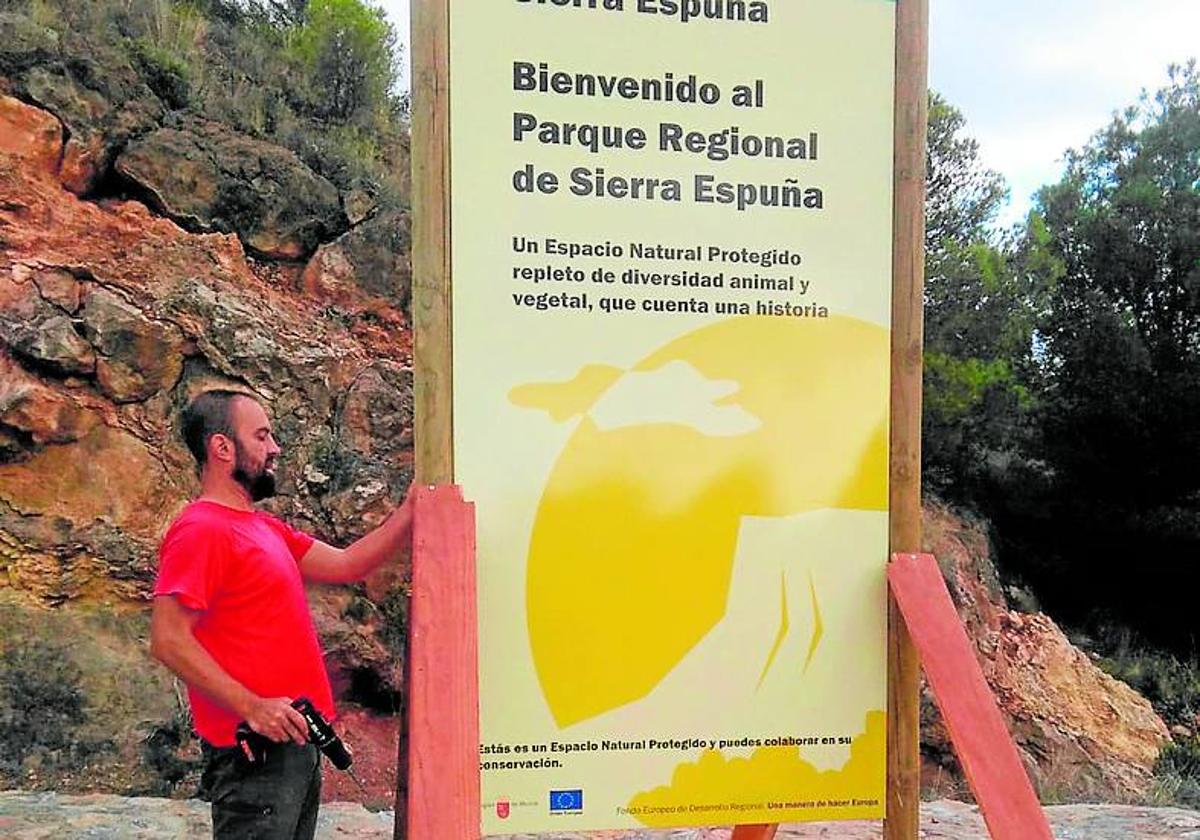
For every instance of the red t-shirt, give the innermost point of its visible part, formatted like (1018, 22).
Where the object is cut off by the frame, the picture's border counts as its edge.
(241, 569)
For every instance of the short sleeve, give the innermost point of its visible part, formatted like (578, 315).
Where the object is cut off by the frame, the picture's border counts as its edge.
(190, 562)
(298, 542)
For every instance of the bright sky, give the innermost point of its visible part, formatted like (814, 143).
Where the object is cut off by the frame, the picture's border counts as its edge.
(1036, 77)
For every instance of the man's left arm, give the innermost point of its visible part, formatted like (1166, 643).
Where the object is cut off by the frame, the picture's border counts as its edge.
(325, 564)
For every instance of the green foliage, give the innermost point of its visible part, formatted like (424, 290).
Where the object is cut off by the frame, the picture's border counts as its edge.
(169, 47)
(980, 315)
(74, 682)
(319, 80)
(1171, 684)
(1177, 772)
(174, 27)
(1124, 320)
(962, 196)
(974, 425)
(317, 77)
(1116, 247)
(41, 703)
(164, 72)
(347, 156)
(349, 50)
(1063, 364)
(962, 385)
(43, 13)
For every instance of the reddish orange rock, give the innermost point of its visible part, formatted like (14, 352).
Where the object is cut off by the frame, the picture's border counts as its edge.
(30, 135)
(38, 410)
(1081, 733)
(111, 318)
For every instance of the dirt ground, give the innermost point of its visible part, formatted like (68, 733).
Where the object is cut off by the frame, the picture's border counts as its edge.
(43, 816)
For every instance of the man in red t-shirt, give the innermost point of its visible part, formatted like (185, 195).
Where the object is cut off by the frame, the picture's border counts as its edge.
(231, 619)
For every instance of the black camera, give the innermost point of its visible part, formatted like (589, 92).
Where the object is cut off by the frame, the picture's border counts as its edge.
(254, 746)
(321, 733)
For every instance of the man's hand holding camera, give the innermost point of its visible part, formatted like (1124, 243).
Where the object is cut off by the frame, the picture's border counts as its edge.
(277, 719)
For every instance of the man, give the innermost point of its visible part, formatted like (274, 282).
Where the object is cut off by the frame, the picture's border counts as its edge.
(231, 619)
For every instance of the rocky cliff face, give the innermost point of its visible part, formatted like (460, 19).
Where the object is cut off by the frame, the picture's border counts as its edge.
(112, 315)
(1082, 734)
(145, 255)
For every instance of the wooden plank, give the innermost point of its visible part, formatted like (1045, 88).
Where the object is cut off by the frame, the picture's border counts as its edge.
(984, 747)
(754, 832)
(431, 303)
(443, 791)
(908, 267)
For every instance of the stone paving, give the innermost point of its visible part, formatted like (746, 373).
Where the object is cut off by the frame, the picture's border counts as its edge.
(49, 816)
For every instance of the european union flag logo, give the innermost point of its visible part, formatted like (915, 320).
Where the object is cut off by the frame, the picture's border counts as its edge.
(564, 801)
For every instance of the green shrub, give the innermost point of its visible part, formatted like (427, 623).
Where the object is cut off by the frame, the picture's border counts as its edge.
(1172, 685)
(349, 50)
(394, 610)
(1178, 773)
(164, 73)
(41, 703)
(972, 418)
(44, 13)
(174, 26)
(161, 750)
(318, 77)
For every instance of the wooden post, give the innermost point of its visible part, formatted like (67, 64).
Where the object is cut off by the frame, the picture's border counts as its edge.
(432, 371)
(432, 395)
(443, 691)
(908, 268)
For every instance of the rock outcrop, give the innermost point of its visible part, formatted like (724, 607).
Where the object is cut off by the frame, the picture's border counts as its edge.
(111, 317)
(208, 178)
(92, 89)
(1082, 734)
(377, 248)
(103, 129)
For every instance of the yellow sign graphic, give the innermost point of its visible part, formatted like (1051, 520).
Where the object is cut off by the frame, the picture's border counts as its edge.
(782, 779)
(660, 581)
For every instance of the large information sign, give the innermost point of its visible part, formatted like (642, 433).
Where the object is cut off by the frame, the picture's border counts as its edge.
(671, 252)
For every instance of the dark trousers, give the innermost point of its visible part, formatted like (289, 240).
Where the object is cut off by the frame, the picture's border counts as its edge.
(276, 800)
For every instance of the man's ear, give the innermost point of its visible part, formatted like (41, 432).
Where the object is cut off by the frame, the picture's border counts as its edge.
(221, 448)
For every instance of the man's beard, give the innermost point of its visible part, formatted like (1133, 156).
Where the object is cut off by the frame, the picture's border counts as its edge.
(260, 483)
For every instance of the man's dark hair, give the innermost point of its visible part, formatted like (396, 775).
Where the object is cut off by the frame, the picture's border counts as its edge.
(208, 414)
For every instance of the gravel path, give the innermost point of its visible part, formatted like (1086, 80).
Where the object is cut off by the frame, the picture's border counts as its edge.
(48, 816)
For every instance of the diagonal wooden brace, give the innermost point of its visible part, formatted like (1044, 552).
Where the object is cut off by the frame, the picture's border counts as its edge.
(981, 741)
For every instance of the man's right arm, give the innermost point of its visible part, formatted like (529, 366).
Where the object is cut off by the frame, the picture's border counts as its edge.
(173, 642)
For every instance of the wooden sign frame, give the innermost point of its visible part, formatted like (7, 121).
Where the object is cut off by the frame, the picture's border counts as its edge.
(433, 354)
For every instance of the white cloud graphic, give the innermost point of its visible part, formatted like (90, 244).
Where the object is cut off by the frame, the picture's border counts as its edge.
(674, 393)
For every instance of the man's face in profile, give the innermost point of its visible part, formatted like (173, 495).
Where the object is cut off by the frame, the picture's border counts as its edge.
(256, 449)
